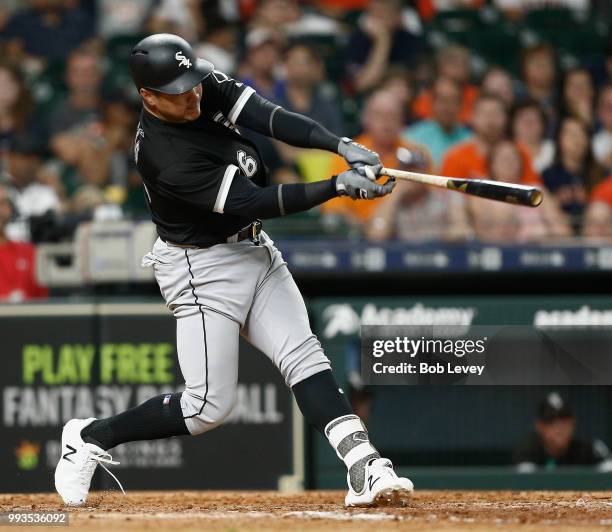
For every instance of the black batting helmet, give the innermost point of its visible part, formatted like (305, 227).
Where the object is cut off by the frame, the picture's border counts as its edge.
(167, 63)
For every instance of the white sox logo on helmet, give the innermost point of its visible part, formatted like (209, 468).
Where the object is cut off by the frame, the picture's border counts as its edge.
(183, 61)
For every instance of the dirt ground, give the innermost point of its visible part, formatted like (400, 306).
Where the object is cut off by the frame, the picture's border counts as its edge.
(323, 510)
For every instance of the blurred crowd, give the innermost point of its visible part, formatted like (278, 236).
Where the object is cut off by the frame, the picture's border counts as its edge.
(512, 90)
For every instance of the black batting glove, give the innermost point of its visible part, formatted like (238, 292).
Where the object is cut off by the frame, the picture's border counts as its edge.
(359, 157)
(352, 184)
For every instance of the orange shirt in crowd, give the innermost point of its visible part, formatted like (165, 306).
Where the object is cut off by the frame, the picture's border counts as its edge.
(17, 277)
(602, 192)
(422, 105)
(363, 209)
(465, 161)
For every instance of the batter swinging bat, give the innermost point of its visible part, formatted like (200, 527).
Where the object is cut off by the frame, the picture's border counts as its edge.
(495, 190)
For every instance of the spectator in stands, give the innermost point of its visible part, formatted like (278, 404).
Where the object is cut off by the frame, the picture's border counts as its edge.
(515, 9)
(181, 17)
(47, 29)
(452, 62)
(501, 222)
(602, 140)
(553, 442)
(468, 159)
(380, 41)
(122, 17)
(119, 120)
(31, 197)
(428, 9)
(419, 213)
(288, 17)
(574, 173)
(81, 157)
(499, 83)
(81, 106)
(17, 268)
(306, 91)
(443, 130)
(598, 215)
(259, 68)
(219, 44)
(539, 75)
(15, 106)
(398, 81)
(7, 8)
(529, 124)
(382, 123)
(578, 95)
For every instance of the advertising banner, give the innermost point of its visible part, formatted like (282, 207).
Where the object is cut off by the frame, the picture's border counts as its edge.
(420, 417)
(105, 359)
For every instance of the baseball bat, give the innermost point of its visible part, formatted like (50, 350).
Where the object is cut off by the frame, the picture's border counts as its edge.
(495, 190)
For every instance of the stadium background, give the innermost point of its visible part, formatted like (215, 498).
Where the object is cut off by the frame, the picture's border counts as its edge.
(90, 335)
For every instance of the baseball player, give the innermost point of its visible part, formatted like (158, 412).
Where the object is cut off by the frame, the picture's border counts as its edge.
(220, 274)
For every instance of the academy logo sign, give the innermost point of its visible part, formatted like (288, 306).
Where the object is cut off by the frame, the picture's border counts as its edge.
(345, 319)
(585, 316)
(183, 61)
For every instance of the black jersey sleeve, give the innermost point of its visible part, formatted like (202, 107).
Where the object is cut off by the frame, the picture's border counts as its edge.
(224, 189)
(272, 120)
(245, 198)
(204, 186)
(222, 94)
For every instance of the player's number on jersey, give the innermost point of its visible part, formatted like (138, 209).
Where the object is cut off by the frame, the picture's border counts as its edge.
(247, 164)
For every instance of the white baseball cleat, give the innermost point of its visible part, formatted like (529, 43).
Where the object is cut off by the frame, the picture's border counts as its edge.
(382, 487)
(77, 463)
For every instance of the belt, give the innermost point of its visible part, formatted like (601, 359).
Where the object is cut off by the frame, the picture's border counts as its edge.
(251, 231)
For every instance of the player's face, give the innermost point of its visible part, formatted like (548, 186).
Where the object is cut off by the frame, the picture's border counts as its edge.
(556, 435)
(183, 107)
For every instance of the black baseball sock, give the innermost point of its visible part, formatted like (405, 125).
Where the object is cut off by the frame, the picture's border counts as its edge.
(320, 399)
(326, 408)
(159, 417)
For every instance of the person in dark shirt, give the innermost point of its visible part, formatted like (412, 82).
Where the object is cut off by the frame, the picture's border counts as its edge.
(573, 173)
(49, 29)
(306, 90)
(553, 442)
(378, 42)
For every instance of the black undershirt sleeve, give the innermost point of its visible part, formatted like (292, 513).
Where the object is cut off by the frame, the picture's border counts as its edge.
(247, 199)
(271, 120)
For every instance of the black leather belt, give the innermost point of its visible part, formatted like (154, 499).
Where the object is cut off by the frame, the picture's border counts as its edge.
(251, 231)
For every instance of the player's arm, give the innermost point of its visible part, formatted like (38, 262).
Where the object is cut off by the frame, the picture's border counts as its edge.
(298, 130)
(244, 107)
(224, 189)
(245, 198)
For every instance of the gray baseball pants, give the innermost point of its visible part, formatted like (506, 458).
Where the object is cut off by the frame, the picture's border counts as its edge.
(219, 293)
